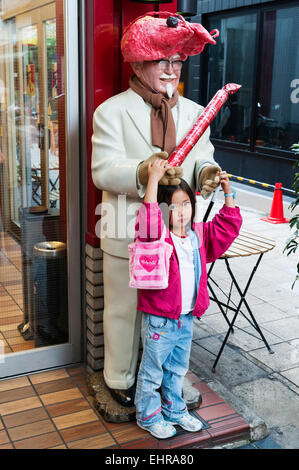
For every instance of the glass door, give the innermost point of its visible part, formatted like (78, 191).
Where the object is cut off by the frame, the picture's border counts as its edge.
(38, 274)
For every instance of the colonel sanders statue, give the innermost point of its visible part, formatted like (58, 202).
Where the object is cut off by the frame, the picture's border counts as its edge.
(142, 124)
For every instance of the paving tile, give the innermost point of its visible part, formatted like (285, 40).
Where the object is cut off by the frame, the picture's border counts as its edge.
(209, 399)
(285, 356)
(7, 348)
(230, 436)
(202, 387)
(232, 368)
(54, 386)
(81, 383)
(129, 433)
(216, 411)
(62, 446)
(188, 440)
(11, 327)
(22, 346)
(19, 405)
(39, 442)
(18, 393)
(72, 406)
(4, 439)
(271, 400)
(147, 443)
(31, 430)
(217, 323)
(14, 333)
(6, 301)
(25, 417)
(8, 445)
(266, 312)
(76, 370)
(112, 427)
(231, 424)
(64, 395)
(12, 312)
(194, 379)
(18, 340)
(267, 443)
(6, 321)
(74, 419)
(82, 431)
(10, 384)
(96, 442)
(200, 330)
(286, 328)
(248, 338)
(48, 376)
(292, 375)
(249, 446)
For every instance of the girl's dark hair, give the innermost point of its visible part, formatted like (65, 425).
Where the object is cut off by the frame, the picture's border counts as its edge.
(165, 196)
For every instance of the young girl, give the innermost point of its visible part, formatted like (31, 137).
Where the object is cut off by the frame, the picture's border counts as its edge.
(167, 321)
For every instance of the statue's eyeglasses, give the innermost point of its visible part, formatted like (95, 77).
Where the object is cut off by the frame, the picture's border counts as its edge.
(163, 64)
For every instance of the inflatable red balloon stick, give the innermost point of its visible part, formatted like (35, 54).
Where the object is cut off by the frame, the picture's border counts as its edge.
(212, 109)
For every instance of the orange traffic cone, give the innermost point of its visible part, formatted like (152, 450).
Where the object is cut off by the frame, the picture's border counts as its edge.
(276, 214)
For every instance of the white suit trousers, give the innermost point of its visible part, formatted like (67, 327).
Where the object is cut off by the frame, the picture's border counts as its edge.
(122, 324)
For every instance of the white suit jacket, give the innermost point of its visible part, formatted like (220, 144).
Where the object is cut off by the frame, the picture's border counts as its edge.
(121, 140)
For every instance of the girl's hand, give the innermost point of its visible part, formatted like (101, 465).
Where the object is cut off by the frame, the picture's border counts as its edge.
(224, 181)
(157, 169)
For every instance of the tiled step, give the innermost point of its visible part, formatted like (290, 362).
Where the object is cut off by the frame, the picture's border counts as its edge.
(55, 410)
(222, 425)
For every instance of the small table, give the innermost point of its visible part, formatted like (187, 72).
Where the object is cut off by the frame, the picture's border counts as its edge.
(246, 244)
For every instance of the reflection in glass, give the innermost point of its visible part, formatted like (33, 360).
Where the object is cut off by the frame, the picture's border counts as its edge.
(231, 60)
(278, 109)
(29, 141)
(52, 112)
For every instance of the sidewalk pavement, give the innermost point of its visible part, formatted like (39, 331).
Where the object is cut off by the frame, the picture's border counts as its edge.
(256, 383)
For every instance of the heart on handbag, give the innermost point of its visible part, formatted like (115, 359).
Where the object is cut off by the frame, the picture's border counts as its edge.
(149, 262)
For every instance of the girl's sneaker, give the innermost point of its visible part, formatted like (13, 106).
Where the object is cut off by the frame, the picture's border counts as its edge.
(186, 422)
(161, 429)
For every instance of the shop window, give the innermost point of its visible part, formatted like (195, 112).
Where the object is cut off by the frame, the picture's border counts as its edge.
(268, 70)
(232, 61)
(278, 101)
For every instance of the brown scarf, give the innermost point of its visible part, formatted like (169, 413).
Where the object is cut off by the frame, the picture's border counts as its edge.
(162, 123)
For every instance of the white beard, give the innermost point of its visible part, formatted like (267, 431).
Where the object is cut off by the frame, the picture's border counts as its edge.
(169, 90)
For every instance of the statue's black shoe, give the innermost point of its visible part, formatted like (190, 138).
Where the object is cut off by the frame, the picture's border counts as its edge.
(124, 397)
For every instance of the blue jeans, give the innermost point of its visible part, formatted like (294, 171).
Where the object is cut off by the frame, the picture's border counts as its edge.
(165, 362)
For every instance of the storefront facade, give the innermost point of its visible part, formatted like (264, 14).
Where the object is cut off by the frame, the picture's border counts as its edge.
(59, 61)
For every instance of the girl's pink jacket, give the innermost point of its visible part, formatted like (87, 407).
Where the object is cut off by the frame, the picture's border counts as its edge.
(214, 237)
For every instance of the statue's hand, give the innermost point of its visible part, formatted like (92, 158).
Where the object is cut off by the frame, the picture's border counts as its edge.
(209, 179)
(172, 176)
(143, 167)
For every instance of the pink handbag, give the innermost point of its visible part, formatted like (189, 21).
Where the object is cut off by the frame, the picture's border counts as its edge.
(149, 263)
